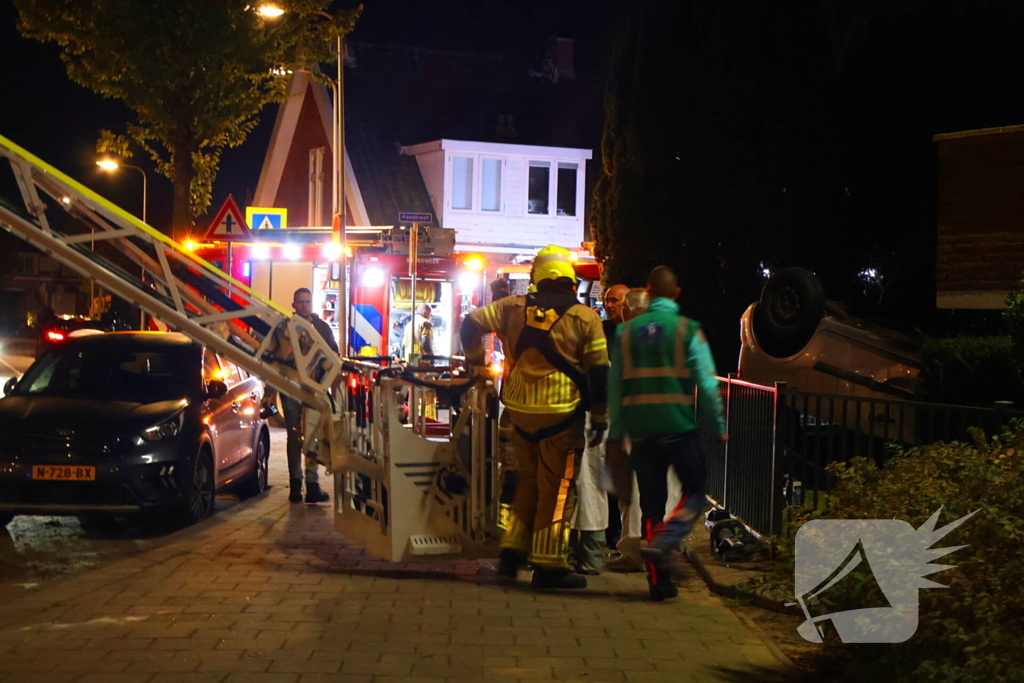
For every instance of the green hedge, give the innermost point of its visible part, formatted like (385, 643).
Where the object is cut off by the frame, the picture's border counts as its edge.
(970, 631)
(970, 371)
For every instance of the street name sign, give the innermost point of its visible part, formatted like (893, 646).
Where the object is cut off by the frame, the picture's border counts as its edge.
(408, 217)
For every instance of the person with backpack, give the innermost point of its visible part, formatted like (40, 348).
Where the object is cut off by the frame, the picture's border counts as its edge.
(659, 359)
(556, 371)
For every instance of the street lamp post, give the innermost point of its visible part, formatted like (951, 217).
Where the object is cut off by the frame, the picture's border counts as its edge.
(339, 181)
(110, 165)
(271, 11)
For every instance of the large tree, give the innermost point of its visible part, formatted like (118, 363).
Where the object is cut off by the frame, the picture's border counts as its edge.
(195, 72)
(717, 150)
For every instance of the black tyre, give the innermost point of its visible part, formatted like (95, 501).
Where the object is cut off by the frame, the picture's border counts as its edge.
(792, 304)
(5, 518)
(257, 482)
(200, 490)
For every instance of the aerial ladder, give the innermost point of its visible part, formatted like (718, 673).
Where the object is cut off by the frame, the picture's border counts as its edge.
(406, 486)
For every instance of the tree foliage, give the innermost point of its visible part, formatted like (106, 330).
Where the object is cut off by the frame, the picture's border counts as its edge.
(196, 73)
(709, 162)
(746, 135)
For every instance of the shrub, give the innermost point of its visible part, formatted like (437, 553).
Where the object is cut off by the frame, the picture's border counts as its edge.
(972, 630)
(970, 371)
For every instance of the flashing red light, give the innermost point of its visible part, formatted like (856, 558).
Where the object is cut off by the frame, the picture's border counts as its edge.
(54, 335)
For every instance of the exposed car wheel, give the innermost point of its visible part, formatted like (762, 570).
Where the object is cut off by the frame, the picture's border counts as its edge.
(197, 504)
(792, 304)
(5, 518)
(256, 483)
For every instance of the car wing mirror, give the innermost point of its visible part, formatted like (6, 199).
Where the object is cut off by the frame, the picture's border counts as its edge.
(9, 385)
(216, 389)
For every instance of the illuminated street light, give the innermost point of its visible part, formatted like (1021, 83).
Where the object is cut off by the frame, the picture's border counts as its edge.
(270, 11)
(110, 165)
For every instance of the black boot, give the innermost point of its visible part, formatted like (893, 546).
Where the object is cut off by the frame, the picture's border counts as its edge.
(510, 562)
(315, 494)
(295, 495)
(659, 578)
(557, 578)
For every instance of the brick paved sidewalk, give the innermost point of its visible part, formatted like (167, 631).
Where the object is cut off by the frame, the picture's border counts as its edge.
(267, 592)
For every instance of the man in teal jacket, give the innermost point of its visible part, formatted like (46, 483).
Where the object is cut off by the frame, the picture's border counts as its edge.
(658, 361)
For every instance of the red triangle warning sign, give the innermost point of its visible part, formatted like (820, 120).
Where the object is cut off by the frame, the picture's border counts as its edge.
(228, 225)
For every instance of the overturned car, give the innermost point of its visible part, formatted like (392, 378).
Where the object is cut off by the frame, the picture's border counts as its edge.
(794, 335)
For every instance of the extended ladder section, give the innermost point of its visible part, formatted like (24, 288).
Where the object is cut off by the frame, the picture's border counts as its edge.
(407, 483)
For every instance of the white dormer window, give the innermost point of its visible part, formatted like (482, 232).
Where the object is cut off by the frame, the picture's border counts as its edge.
(539, 188)
(490, 184)
(462, 183)
(567, 175)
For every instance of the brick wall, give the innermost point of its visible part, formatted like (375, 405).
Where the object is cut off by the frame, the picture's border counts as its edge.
(981, 217)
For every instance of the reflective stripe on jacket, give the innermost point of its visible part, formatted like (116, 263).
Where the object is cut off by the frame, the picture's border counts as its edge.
(531, 384)
(657, 361)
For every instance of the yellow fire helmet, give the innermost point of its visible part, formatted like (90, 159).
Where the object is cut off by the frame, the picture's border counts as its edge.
(551, 263)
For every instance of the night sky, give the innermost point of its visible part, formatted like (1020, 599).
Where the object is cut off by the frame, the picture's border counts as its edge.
(914, 79)
(60, 121)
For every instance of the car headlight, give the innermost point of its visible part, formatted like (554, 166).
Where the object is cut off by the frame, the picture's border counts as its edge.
(164, 430)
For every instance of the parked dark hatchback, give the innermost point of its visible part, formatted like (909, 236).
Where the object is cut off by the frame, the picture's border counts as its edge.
(129, 422)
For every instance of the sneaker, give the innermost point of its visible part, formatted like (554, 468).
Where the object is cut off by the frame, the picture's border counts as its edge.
(557, 578)
(510, 562)
(295, 495)
(315, 494)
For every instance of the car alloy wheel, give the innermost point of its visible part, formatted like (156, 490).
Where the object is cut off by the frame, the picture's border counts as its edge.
(262, 465)
(256, 483)
(201, 503)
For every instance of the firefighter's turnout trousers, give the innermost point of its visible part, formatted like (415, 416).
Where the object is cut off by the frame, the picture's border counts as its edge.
(546, 493)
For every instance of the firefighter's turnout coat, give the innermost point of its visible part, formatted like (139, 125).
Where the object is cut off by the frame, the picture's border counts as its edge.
(556, 370)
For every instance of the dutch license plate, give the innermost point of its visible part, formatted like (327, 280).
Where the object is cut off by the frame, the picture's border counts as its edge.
(64, 472)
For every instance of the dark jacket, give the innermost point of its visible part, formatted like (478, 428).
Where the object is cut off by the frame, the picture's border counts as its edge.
(325, 331)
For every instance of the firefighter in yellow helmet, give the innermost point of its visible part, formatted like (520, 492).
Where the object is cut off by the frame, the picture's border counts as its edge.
(556, 370)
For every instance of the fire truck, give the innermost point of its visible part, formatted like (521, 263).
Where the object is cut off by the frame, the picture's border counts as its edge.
(412, 447)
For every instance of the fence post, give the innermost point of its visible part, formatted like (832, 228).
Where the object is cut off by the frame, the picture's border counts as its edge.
(1000, 408)
(728, 430)
(776, 498)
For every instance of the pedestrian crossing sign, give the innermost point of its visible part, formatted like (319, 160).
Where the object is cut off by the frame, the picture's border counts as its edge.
(266, 218)
(228, 224)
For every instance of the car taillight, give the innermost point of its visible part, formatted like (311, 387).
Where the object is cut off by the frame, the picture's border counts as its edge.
(54, 335)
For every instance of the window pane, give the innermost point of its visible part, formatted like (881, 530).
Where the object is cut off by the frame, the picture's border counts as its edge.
(491, 181)
(540, 187)
(567, 189)
(462, 182)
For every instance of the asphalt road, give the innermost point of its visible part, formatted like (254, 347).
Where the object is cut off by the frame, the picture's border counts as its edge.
(37, 550)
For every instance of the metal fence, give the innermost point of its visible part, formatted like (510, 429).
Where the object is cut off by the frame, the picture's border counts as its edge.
(781, 440)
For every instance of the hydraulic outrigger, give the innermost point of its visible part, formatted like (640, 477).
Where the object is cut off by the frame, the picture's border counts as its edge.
(404, 487)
